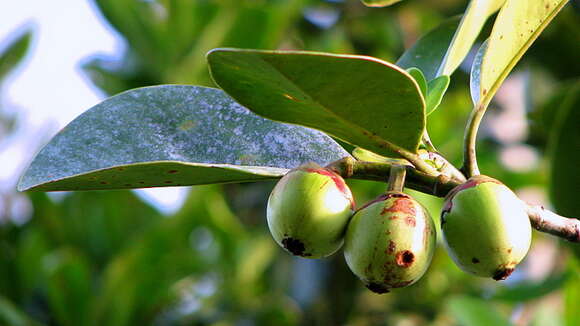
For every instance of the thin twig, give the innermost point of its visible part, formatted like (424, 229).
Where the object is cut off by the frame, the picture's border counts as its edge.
(546, 221)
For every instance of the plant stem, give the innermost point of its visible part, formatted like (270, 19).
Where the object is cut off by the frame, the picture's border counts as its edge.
(397, 176)
(542, 219)
(546, 221)
(470, 167)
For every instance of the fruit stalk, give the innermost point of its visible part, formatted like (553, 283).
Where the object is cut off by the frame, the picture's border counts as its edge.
(542, 219)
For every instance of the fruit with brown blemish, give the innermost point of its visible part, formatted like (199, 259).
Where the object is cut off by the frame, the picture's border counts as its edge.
(390, 242)
(485, 227)
(308, 211)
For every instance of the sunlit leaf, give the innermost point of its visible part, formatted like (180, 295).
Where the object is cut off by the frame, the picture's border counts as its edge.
(476, 14)
(436, 89)
(379, 3)
(361, 100)
(417, 74)
(516, 27)
(171, 136)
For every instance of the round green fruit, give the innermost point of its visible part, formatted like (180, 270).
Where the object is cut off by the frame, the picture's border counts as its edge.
(308, 211)
(485, 227)
(390, 242)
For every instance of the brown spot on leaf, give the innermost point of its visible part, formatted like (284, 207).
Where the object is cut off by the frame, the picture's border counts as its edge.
(103, 182)
(295, 246)
(475, 260)
(168, 181)
(172, 171)
(127, 185)
(377, 288)
(404, 258)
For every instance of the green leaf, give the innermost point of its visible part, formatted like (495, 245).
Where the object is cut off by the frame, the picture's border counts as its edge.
(11, 315)
(572, 296)
(527, 290)
(517, 25)
(428, 52)
(14, 53)
(475, 16)
(563, 145)
(417, 74)
(470, 311)
(436, 89)
(172, 136)
(69, 286)
(360, 100)
(379, 3)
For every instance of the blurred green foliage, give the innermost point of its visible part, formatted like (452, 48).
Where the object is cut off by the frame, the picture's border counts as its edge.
(108, 258)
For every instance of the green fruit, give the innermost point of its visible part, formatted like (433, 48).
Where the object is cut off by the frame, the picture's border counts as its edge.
(390, 242)
(485, 226)
(308, 211)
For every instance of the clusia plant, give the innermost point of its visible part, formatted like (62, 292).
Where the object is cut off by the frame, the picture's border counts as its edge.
(278, 110)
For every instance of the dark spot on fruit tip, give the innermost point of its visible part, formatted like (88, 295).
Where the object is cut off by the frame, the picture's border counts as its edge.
(404, 258)
(295, 246)
(172, 171)
(502, 274)
(392, 246)
(509, 251)
(168, 181)
(475, 260)
(377, 288)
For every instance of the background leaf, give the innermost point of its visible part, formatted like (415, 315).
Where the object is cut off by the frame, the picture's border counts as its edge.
(516, 27)
(428, 52)
(361, 100)
(475, 16)
(470, 311)
(563, 146)
(168, 136)
(13, 53)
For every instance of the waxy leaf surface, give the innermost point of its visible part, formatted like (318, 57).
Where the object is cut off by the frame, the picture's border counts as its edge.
(476, 14)
(361, 100)
(516, 27)
(169, 136)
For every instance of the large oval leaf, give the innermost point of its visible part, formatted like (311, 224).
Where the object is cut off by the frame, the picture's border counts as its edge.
(361, 100)
(172, 135)
(517, 25)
